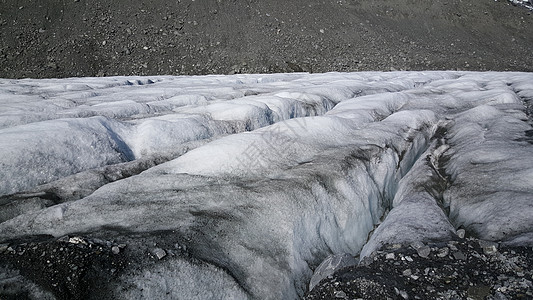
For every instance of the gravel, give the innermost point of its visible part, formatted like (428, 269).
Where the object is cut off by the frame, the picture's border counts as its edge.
(458, 269)
(99, 38)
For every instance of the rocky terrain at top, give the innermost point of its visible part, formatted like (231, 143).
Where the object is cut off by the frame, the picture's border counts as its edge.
(41, 39)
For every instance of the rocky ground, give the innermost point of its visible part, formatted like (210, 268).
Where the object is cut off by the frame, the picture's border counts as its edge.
(68, 268)
(460, 269)
(97, 38)
(75, 267)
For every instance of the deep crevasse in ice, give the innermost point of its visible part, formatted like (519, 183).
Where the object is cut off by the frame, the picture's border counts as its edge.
(268, 174)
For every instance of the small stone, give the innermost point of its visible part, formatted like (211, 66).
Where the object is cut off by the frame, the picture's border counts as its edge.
(452, 247)
(443, 252)
(408, 258)
(159, 253)
(414, 277)
(417, 245)
(64, 238)
(488, 247)
(340, 294)
(404, 294)
(461, 233)
(499, 296)
(423, 251)
(390, 256)
(77, 240)
(115, 250)
(407, 272)
(459, 255)
(396, 246)
(490, 250)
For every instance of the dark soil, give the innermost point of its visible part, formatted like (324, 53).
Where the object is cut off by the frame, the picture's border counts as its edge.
(52, 38)
(69, 268)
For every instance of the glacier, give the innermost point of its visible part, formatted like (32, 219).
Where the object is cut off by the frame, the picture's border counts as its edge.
(261, 177)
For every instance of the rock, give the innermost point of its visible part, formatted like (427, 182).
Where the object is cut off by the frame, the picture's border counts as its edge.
(159, 253)
(488, 247)
(390, 256)
(64, 238)
(461, 233)
(443, 252)
(115, 250)
(396, 246)
(490, 250)
(417, 245)
(423, 251)
(77, 240)
(459, 255)
(340, 294)
(499, 296)
(331, 264)
(451, 245)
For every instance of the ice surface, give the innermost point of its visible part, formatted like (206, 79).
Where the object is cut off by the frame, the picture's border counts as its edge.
(261, 177)
(40, 152)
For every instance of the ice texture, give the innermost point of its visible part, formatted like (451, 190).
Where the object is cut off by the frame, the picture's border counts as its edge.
(261, 177)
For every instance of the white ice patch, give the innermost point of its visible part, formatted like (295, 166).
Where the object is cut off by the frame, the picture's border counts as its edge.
(40, 152)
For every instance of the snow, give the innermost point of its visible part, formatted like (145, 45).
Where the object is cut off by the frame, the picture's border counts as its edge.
(262, 177)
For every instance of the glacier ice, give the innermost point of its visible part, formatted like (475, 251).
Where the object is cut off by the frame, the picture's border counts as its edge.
(261, 177)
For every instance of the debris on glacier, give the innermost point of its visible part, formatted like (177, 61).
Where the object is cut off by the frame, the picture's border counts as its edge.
(467, 272)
